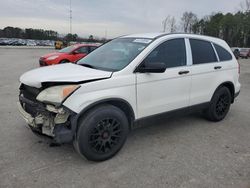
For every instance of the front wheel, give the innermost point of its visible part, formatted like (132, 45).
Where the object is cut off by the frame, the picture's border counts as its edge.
(64, 61)
(102, 132)
(219, 105)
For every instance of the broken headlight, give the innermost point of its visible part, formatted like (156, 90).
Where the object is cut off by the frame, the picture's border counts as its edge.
(56, 94)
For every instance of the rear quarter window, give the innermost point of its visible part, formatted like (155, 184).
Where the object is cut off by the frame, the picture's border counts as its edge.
(202, 52)
(223, 54)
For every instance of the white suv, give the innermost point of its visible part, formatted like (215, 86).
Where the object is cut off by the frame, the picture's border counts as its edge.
(96, 102)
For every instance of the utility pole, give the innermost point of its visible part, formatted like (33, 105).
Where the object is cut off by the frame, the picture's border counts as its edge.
(70, 17)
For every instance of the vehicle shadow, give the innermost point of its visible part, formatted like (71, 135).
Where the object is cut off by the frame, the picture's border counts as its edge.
(149, 129)
(169, 123)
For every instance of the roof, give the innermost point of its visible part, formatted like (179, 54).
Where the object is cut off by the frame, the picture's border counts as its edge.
(144, 35)
(160, 34)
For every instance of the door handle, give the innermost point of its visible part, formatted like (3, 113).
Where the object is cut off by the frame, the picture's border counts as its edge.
(183, 72)
(217, 67)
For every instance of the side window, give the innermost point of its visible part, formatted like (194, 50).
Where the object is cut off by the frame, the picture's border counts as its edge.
(171, 52)
(223, 54)
(202, 52)
(82, 50)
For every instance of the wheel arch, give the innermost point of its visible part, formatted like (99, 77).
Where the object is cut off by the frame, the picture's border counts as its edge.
(230, 86)
(64, 59)
(118, 102)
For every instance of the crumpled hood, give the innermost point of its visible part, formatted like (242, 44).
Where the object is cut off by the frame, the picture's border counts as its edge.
(62, 73)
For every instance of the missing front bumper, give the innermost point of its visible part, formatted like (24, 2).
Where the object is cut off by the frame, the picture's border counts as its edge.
(26, 116)
(55, 124)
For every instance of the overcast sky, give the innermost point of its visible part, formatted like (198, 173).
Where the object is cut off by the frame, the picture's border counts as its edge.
(117, 17)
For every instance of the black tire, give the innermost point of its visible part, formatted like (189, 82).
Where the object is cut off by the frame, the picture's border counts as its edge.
(101, 133)
(219, 105)
(64, 61)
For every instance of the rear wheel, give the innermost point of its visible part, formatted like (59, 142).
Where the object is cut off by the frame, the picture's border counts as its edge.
(102, 132)
(219, 105)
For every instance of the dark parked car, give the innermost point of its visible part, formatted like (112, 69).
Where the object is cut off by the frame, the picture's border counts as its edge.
(236, 53)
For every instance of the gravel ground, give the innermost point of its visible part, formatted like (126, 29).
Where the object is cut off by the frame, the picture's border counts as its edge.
(172, 152)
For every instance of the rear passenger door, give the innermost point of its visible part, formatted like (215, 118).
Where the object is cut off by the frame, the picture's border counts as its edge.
(162, 92)
(204, 71)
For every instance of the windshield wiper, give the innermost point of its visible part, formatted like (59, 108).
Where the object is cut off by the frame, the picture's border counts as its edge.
(98, 68)
(87, 65)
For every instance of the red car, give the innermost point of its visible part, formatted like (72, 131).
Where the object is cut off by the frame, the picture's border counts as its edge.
(69, 54)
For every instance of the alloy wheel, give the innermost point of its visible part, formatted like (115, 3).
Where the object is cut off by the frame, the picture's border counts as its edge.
(222, 104)
(105, 135)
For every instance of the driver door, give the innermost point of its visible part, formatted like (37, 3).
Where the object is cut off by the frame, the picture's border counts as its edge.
(80, 53)
(162, 92)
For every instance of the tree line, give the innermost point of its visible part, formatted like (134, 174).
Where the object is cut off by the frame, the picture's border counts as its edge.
(234, 28)
(40, 34)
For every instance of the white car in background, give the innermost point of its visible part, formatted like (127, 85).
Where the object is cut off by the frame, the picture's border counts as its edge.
(96, 102)
(31, 42)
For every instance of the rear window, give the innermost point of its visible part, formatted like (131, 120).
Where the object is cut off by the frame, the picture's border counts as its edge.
(223, 54)
(202, 52)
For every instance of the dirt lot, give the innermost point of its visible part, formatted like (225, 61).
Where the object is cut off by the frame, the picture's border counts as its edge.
(175, 152)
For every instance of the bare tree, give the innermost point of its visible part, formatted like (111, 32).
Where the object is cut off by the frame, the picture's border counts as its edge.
(165, 23)
(173, 26)
(169, 24)
(188, 20)
(245, 6)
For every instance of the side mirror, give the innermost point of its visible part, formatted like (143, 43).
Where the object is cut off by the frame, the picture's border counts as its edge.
(152, 68)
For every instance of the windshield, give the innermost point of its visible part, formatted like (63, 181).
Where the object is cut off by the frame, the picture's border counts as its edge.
(115, 55)
(67, 49)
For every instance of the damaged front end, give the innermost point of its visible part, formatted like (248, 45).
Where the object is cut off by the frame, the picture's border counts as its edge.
(46, 118)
